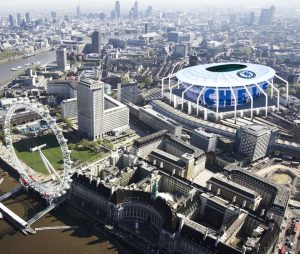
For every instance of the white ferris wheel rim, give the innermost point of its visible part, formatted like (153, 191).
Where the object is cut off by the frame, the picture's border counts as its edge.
(47, 191)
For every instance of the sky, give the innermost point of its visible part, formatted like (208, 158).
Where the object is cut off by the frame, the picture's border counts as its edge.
(105, 5)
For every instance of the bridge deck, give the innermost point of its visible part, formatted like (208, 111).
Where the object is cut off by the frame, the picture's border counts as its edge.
(11, 216)
(12, 192)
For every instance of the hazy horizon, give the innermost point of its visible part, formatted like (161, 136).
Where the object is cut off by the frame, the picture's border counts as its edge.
(101, 5)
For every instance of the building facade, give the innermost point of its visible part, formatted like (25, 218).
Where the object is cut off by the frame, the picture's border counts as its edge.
(159, 122)
(96, 42)
(204, 140)
(254, 141)
(90, 99)
(61, 59)
(69, 108)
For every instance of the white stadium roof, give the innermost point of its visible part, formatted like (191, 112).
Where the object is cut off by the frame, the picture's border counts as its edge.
(229, 74)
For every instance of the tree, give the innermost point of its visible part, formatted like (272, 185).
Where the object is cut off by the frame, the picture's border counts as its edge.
(68, 122)
(124, 79)
(2, 135)
(58, 115)
(148, 81)
(93, 145)
(30, 134)
(151, 52)
(15, 131)
(84, 142)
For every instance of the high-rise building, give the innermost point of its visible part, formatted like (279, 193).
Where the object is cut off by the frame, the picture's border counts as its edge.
(90, 101)
(271, 13)
(252, 19)
(149, 11)
(146, 30)
(61, 59)
(19, 19)
(264, 17)
(54, 16)
(96, 42)
(117, 10)
(254, 141)
(11, 20)
(27, 18)
(128, 92)
(136, 10)
(78, 11)
(99, 113)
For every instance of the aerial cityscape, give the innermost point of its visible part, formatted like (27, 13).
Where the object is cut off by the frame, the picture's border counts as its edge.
(145, 126)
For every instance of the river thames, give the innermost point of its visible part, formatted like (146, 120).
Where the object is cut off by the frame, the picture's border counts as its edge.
(84, 240)
(6, 74)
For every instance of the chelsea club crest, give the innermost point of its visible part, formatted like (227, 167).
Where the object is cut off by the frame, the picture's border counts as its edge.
(246, 74)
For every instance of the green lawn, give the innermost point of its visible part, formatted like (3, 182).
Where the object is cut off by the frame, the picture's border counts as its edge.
(52, 152)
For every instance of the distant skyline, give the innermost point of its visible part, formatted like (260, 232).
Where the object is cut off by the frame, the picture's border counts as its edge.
(102, 5)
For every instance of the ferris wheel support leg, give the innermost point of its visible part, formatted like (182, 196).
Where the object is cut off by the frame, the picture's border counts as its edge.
(287, 86)
(48, 165)
(198, 99)
(162, 86)
(171, 91)
(277, 90)
(251, 98)
(218, 105)
(235, 103)
(265, 94)
(182, 96)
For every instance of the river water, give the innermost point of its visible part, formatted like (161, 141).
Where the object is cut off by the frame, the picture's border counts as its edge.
(6, 75)
(84, 240)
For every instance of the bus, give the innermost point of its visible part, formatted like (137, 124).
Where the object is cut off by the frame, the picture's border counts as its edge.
(278, 160)
(287, 157)
(282, 251)
(295, 228)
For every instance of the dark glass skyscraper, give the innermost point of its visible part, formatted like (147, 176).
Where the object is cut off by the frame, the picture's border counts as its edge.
(96, 42)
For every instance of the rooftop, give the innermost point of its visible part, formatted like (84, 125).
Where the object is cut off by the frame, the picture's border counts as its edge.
(230, 74)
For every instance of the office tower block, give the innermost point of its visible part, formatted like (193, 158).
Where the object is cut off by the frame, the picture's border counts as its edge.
(117, 10)
(19, 19)
(90, 101)
(252, 19)
(254, 141)
(61, 59)
(11, 20)
(264, 17)
(27, 18)
(271, 14)
(136, 10)
(99, 113)
(78, 11)
(204, 140)
(96, 42)
(149, 11)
